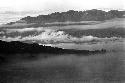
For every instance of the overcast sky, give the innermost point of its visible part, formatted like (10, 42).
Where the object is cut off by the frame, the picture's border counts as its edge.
(60, 5)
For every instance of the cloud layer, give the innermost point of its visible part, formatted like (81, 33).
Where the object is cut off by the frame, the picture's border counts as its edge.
(49, 36)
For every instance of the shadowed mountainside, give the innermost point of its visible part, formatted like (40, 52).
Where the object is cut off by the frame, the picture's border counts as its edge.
(19, 47)
(9, 49)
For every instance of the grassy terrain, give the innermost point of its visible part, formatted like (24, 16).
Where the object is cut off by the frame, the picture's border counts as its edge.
(99, 68)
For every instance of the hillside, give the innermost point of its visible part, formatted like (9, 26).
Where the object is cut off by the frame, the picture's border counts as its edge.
(75, 16)
(16, 47)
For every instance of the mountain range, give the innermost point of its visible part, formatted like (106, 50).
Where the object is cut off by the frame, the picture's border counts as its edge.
(71, 16)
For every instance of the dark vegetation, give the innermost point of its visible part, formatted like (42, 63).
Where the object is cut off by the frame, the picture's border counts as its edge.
(16, 47)
(19, 47)
(76, 16)
(101, 33)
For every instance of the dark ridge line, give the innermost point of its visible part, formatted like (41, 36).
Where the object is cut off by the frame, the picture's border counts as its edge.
(16, 47)
(71, 15)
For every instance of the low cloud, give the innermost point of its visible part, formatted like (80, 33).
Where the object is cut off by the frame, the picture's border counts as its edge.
(51, 36)
(24, 30)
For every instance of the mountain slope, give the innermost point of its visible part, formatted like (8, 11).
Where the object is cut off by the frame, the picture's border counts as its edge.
(71, 15)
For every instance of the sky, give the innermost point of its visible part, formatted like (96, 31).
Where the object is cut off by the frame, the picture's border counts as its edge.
(60, 5)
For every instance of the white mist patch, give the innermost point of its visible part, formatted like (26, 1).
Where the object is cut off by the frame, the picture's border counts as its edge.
(24, 30)
(1, 32)
(49, 36)
(86, 38)
(4, 38)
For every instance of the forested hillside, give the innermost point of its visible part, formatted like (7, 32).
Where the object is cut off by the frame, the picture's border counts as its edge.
(71, 15)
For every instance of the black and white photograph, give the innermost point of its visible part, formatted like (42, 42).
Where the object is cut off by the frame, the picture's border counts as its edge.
(62, 41)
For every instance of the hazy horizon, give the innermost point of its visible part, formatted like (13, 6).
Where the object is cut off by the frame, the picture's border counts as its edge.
(13, 10)
(51, 6)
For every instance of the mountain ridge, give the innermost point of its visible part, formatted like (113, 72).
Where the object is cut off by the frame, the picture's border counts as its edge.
(71, 16)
